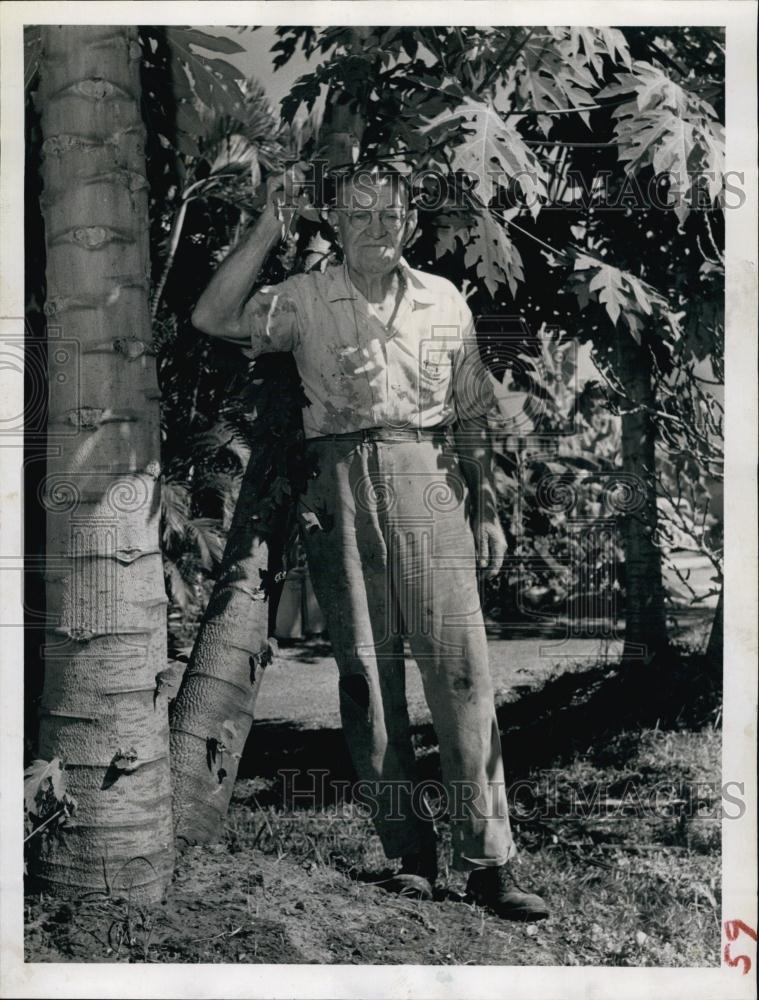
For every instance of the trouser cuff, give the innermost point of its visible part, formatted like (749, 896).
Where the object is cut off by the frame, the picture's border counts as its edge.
(465, 863)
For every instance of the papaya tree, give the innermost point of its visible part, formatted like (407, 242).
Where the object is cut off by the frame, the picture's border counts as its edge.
(102, 716)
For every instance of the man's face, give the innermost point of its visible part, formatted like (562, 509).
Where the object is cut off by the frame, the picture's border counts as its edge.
(373, 223)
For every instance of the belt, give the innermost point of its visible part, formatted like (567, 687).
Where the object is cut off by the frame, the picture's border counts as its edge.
(387, 434)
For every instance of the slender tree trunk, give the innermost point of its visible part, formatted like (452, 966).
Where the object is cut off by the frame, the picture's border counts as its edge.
(213, 712)
(106, 640)
(645, 618)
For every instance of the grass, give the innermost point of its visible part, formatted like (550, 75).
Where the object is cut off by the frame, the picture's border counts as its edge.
(625, 888)
(620, 831)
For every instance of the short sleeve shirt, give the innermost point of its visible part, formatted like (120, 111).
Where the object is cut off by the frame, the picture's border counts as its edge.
(422, 370)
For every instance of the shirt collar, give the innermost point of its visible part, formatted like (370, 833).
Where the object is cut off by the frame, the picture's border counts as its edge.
(415, 288)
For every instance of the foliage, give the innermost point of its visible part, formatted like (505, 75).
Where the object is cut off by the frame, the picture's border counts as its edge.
(620, 292)
(666, 127)
(499, 112)
(568, 155)
(47, 806)
(559, 464)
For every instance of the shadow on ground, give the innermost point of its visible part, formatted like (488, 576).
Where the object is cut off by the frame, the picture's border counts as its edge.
(577, 712)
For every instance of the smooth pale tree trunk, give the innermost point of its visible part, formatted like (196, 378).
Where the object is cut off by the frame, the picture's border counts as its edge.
(645, 618)
(102, 711)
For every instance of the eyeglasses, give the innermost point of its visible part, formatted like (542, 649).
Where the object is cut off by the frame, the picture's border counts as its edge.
(391, 218)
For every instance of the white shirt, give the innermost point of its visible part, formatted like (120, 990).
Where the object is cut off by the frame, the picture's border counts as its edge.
(422, 371)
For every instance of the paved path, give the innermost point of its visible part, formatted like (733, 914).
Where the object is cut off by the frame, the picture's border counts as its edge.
(301, 685)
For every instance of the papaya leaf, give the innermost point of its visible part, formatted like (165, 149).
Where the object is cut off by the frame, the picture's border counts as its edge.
(188, 119)
(669, 129)
(652, 89)
(552, 76)
(590, 45)
(710, 147)
(621, 293)
(305, 91)
(608, 283)
(215, 43)
(214, 82)
(489, 150)
(448, 228)
(493, 254)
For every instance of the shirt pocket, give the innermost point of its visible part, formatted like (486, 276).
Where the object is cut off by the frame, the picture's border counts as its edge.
(435, 371)
(435, 380)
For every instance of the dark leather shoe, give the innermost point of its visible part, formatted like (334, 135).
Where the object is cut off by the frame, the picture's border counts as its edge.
(423, 863)
(418, 872)
(498, 891)
(412, 886)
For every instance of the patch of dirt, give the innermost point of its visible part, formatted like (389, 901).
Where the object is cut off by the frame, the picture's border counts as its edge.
(248, 907)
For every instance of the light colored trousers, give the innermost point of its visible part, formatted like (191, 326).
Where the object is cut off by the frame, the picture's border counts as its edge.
(393, 553)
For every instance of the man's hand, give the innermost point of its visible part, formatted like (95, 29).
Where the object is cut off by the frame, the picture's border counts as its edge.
(219, 310)
(491, 546)
(475, 453)
(285, 198)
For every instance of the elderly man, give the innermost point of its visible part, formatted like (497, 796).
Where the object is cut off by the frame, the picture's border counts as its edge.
(403, 507)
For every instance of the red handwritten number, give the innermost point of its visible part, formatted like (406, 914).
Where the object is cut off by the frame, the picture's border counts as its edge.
(732, 929)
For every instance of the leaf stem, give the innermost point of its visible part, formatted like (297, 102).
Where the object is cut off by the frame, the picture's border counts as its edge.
(561, 254)
(566, 111)
(42, 826)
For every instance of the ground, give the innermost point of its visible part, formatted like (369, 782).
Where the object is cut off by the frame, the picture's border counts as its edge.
(618, 826)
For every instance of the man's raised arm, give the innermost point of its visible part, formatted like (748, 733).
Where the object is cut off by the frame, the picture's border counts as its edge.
(219, 310)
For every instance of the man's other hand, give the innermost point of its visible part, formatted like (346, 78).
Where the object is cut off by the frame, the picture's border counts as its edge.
(491, 546)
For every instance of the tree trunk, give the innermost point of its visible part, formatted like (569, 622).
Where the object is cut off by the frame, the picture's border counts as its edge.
(106, 637)
(213, 712)
(645, 618)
